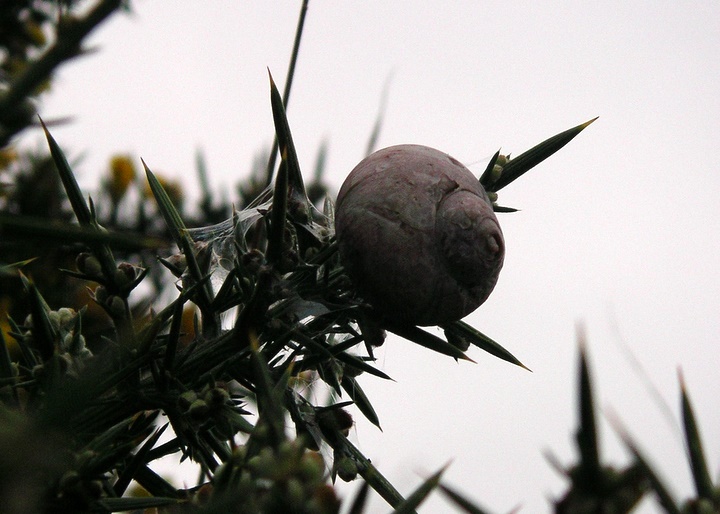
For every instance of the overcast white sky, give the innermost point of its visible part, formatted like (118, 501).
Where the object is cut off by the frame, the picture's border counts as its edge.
(618, 231)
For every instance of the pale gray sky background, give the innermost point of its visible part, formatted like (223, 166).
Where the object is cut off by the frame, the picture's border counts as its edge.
(619, 230)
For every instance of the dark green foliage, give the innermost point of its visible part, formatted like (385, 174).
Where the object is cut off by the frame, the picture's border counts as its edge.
(22, 25)
(297, 315)
(599, 488)
(276, 264)
(105, 369)
(594, 487)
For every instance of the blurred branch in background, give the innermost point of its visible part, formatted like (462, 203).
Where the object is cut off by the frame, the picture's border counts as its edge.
(288, 85)
(24, 28)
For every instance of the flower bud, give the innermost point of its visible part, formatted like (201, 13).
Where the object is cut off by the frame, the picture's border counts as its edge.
(66, 316)
(216, 397)
(176, 263)
(100, 294)
(346, 469)
(116, 306)
(125, 275)
(186, 399)
(198, 409)
(88, 264)
(418, 236)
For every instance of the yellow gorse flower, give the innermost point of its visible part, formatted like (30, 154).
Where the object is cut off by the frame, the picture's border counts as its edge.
(122, 173)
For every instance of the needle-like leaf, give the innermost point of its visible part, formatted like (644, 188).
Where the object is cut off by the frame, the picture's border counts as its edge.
(298, 203)
(269, 401)
(696, 454)
(587, 440)
(371, 474)
(487, 178)
(464, 331)
(665, 498)
(154, 483)
(170, 214)
(131, 504)
(531, 158)
(461, 501)
(276, 232)
(358, 504)
(12, 269)
(288, 83)
(501, 208)
(428, 340)
(182, 238)
(44, 335)
(353, 389)
(81, 209)
(60, 232)
(10, 397)
(138, 460)
(77, 200)
(420, 494)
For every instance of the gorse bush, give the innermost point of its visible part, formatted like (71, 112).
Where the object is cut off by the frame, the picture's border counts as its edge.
(128, 337)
